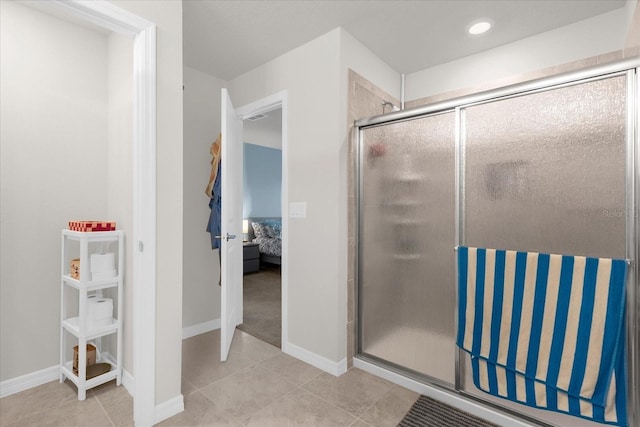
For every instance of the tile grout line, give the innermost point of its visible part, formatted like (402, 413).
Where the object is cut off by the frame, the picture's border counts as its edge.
(276, 373)
(224, 411)
(252, 363)
(275, 399)
(260, 365)
(300, 387)
(271, 401)
(371, 406)
(103, 409)
(356, 417)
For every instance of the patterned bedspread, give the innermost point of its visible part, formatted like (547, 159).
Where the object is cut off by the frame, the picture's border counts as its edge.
(269, 245)
(268, 236)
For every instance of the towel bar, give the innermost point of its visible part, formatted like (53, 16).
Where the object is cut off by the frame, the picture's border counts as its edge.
(628, 261)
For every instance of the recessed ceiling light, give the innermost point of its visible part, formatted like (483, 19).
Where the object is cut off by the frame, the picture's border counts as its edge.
(479, 27)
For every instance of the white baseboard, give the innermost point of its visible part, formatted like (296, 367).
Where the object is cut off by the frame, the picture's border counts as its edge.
(128, 382)
(200, 328)
(320, 362)
(441, 395)
(168, 409)
(162, 411)
(25, 382)
(34, 379)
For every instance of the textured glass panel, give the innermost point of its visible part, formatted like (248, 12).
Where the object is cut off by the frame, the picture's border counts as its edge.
(545, 172)
(406, 245)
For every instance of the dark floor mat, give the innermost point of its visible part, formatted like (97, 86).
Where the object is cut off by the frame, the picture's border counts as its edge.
(427, 412)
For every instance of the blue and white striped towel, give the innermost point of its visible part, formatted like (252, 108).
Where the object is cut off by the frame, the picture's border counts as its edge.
(546, 330)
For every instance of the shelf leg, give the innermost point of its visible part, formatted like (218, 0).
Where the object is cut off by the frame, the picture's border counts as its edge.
(82, 341)
(63, 314)
(82, 369)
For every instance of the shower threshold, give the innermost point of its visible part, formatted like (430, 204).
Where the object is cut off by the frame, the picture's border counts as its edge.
(459, 400)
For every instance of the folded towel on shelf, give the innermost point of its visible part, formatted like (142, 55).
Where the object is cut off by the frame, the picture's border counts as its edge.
(546, 330)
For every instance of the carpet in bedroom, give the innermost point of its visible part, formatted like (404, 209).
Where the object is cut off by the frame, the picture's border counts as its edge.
(263, 306)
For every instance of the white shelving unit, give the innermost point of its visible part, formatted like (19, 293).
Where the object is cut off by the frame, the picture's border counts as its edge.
(75, 322)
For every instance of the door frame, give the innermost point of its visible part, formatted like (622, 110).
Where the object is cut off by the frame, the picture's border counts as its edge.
(143, 241)
(264, 105)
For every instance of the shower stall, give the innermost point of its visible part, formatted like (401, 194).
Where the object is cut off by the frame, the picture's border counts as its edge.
(549, 166)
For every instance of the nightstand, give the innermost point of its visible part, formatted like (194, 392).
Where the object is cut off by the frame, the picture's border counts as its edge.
(250, 257)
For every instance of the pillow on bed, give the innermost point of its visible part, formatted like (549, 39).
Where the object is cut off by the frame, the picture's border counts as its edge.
(270, 228)
(273, 229)
(259, 229)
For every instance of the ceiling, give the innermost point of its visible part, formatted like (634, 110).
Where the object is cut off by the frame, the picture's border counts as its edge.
(266, 131)
(226, 38)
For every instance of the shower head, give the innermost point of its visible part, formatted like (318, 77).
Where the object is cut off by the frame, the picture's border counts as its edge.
(389, 104)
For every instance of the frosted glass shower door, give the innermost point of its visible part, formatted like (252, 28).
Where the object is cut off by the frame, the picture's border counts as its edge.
(545, 172)
(406, 241)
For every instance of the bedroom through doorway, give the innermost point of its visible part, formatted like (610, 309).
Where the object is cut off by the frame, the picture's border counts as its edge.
(262, 227)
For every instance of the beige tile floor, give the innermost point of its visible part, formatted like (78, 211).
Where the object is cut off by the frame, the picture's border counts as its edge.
(258, 386)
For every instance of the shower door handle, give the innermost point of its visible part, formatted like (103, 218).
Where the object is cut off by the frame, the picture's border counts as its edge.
(227, 237)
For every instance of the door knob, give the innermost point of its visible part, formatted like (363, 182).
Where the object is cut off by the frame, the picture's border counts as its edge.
(227, 237)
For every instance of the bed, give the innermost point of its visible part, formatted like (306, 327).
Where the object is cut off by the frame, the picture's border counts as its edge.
(267, 233)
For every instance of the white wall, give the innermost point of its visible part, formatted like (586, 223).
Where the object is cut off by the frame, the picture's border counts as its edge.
(310, 74)
(633, 23)
(360, 59)
(315, 77)
(595, 36)
(53, 110)
(201, 267)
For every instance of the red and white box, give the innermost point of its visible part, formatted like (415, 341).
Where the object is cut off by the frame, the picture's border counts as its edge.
(86, 226)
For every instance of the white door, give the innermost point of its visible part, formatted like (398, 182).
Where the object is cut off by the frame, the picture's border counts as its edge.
(231, 224)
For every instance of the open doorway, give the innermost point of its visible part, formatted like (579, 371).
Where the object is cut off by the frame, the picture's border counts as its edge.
(262, 226)
(231, 304)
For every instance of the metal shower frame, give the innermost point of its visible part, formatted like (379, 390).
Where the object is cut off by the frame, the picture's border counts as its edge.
(628, 67)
